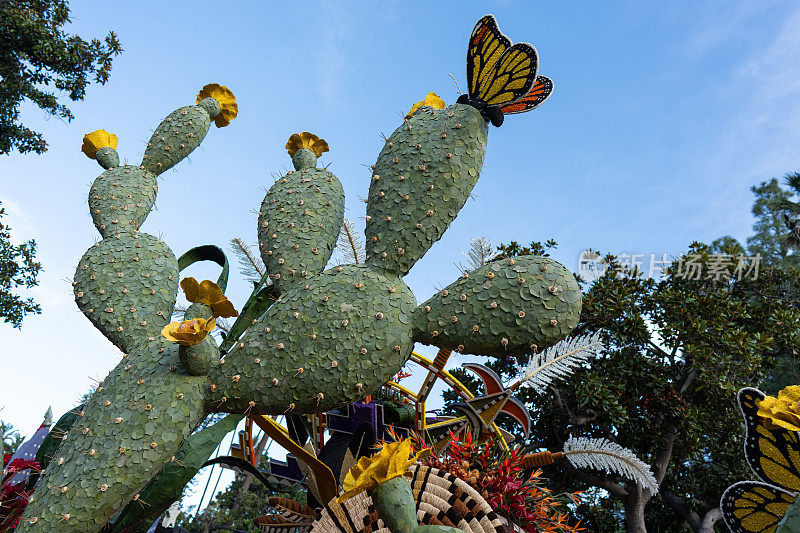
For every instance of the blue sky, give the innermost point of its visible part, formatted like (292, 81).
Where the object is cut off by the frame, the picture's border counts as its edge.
(662, 118)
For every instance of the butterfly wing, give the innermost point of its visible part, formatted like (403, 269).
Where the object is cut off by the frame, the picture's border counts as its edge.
(486, 45)
(773, 454)
(540, 91)
(511, 77)
(754, 507)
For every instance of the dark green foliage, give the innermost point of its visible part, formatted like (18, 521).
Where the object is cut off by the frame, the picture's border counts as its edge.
(38, 60)
(422, 178)
(10, 437)
(514, 305)
(514, 249)
(715, 337)
(18, 268)
(238, 509)
(771, 233)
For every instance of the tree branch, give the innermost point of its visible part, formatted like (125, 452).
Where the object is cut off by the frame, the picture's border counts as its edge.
(572, 419)
(679, 506)
(713, 516)
(612, 488)
(665, 453)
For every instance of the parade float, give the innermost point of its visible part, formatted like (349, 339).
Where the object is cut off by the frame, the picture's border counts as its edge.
(312, 344)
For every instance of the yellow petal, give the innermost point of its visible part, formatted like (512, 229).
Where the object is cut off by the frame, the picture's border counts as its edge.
(432, 100)
(210, 293)
(188, 332)
(306, 140)
(229, 109)
(224, 309)
(92, 142)
(191, 289)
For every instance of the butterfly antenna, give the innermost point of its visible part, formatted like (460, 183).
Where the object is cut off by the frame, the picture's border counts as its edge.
(456, 82)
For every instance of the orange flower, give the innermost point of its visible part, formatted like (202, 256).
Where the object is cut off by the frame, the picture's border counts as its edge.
(207, 292)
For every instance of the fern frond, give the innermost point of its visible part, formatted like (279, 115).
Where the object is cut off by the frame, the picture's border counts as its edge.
(560, 360)
(250, 263)
(602, 454)
(480, 252)
(349, 247)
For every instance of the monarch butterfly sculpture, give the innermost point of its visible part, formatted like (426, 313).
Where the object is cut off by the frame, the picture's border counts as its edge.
(502, 78)
(773, 453)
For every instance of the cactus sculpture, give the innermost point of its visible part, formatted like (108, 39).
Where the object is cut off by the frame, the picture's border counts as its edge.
(331, 337)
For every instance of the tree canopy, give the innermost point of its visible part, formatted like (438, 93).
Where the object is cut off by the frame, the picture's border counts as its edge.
(678, 349)
(40, 62)
(18, 269)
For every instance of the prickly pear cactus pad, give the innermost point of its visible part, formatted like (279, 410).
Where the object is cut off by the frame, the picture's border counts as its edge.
(300, 218)
(515, 305)
(337, 338)
(121, 198)
(423, 176)
(126, 286)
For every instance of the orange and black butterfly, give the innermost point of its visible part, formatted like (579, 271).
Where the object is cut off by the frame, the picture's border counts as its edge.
(501, 77)
(774, 456)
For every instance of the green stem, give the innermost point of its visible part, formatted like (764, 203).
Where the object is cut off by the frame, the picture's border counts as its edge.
(394, 503)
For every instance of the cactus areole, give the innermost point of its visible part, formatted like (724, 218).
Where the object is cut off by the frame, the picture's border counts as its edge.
(331, 337)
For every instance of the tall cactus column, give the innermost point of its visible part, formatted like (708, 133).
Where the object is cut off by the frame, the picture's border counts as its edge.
(126, 285)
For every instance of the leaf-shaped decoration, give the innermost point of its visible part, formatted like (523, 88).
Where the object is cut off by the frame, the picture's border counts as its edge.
(560, 359)
(602, 454)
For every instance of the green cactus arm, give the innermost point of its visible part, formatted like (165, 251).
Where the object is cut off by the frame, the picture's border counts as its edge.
(298, 224)
(515, 305)
(422, 178)
(177, 136)
(166, 487)
(395, 505)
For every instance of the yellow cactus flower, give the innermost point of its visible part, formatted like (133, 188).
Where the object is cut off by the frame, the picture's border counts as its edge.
(431, 100)
(227, 102)
(783, 411)
(92, 142)
(391, 462)
(306, 140)
(207, 292)
(189, 332)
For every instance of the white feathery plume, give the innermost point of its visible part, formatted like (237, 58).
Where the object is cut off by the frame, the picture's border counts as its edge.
(560, 360)
(602, 454)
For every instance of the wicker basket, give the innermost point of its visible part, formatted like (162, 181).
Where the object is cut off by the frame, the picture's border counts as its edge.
(442, 499)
